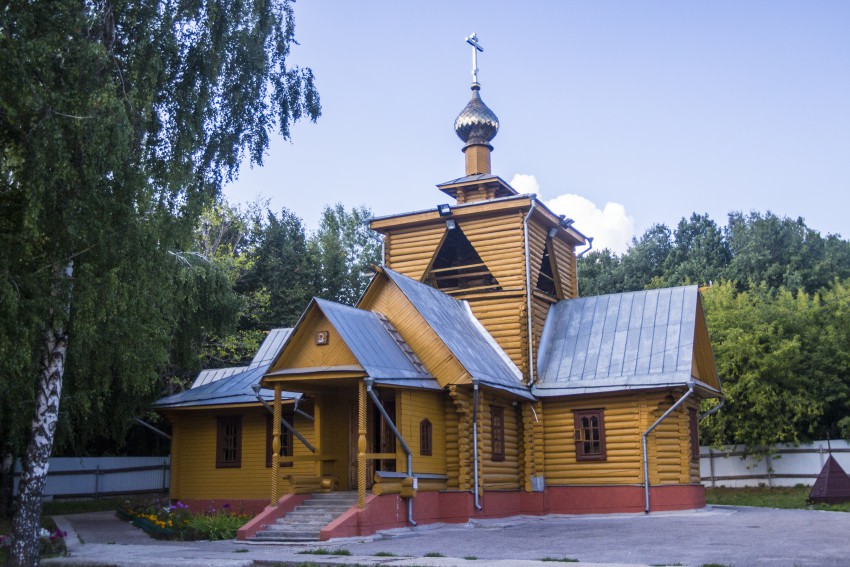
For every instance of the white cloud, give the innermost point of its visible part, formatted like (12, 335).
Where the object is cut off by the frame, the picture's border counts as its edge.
(525, 183)
(610, 226)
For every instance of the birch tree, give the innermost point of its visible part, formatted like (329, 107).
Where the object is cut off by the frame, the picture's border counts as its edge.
(119, 121)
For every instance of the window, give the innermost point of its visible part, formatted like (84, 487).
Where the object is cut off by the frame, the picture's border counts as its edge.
(285, 439)
(425, 438)
(497, 432)
(692, 415)
(228, 451)
(590, 435)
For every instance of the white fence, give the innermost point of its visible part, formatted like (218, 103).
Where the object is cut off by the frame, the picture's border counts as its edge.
(789, 466)
(77, 477)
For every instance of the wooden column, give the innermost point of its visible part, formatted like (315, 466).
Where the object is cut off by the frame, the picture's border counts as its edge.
(361, 444)
(276, 445)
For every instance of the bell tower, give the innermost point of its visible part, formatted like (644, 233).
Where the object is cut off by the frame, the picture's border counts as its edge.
(503, 252)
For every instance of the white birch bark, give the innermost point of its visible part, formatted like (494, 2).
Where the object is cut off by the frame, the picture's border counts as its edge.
(25, 545)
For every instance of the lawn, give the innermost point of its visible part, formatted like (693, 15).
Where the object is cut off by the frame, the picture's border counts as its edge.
(780, 497)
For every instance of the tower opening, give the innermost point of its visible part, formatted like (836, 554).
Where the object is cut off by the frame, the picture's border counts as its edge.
(457, 267)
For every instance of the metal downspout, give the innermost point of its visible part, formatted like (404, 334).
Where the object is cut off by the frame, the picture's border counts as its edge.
(528, 296)
(715, 409)
(401, 440)
(478, 505)
(159, 432)
(288, 426)
(647, 432)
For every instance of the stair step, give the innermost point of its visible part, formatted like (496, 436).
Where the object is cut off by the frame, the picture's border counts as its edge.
(305, 522)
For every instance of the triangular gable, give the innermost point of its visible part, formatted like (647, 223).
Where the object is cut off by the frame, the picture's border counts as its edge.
(491, 238)
(638, 340)
(457, 267)
(335, 338)
(455, 326)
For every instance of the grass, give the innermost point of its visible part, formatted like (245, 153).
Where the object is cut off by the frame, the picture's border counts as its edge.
(385, 554)
(470, 558)
(434, 554)
(792, 497)
(323, 551)
(561, 559)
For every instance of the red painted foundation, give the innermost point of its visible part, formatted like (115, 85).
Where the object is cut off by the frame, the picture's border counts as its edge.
(390, 511)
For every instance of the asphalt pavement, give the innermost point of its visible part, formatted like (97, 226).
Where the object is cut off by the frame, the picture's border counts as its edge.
(724, 535)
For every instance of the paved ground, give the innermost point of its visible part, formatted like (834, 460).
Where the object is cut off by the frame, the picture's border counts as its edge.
(734, 536)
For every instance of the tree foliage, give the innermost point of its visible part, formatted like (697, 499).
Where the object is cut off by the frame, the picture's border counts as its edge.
(119, 122)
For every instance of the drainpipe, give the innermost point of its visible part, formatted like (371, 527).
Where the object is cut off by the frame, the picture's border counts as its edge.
(478, 505)
(586, 250)
(288, 426)
(715, 409)
(369, 382)
(528, 302)
(159, 432)
(648, 431)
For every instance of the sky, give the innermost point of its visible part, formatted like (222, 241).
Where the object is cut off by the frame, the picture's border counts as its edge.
(618, 114)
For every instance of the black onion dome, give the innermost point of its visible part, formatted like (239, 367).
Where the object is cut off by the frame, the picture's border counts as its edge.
(476, 123)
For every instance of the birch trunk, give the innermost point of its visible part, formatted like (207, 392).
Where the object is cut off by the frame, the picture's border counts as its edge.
(25, 545)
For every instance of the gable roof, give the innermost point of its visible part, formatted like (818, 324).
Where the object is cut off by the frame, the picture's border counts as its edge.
(464, 336)
(237, 389)
(221, 386)
(625, 341)
(377, 346)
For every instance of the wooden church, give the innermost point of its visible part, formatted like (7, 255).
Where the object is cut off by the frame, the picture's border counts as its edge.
(470, 380)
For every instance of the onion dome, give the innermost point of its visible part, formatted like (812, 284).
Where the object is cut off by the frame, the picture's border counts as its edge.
(476, 124)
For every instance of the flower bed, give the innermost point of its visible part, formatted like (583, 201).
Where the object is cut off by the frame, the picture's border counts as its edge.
(177, 522)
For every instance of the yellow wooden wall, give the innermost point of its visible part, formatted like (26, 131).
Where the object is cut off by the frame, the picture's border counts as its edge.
(410, 251)
(499, 241)
(303, 352)
(386, 298)
(626, 417)
(194, 474)
(503, 315)
(499, 475)
(333, 419)
(412, 406)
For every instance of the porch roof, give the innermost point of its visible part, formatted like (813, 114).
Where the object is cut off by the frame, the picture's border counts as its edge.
(380, 351)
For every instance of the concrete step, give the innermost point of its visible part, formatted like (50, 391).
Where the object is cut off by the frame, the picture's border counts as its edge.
(306, 521)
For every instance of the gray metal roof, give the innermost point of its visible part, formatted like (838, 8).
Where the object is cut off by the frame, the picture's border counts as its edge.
(216, 374)
(473, 347)
(625, 341)
(236, 389)
(477, 177)
(268, 351)
(232, 385)
(377, 346)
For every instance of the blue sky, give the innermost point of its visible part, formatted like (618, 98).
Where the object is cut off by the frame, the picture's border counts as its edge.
(620, 114)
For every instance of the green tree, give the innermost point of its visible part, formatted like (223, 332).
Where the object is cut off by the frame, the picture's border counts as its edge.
(599, 272)
(699, 254)
(782, 361)
(119, 122)
(644, 261)
(344, 247)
